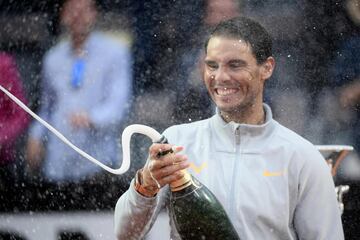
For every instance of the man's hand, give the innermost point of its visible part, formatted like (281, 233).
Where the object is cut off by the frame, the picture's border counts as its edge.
(80, 120)
(162, 170)
(34, 153)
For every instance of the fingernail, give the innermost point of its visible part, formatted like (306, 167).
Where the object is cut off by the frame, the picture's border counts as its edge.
(176, 148)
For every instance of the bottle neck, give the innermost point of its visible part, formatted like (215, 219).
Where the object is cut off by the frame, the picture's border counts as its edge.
(182, 183)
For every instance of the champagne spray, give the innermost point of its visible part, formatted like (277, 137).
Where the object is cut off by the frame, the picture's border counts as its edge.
(190, 200)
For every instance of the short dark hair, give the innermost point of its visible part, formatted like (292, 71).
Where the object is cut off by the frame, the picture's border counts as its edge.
(247, 30)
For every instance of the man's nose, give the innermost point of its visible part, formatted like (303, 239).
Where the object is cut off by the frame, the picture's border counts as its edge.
(222, 75)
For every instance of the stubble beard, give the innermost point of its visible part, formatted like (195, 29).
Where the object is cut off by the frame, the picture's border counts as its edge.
(240, 112)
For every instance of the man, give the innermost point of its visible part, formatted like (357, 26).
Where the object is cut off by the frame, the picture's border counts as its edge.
(85, 89)
(272, 183)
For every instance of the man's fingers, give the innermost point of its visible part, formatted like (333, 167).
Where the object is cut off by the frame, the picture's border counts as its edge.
(158, 150)
(177, 149)
(164, 165)
(170, 159)
(173, 149)
(171, 178)
(160, 172)
(169, 170)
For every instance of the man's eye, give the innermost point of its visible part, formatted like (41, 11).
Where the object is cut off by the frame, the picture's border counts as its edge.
(212, 66)
(236, 65)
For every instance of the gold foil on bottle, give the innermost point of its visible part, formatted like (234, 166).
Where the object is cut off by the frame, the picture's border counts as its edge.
(182, 183)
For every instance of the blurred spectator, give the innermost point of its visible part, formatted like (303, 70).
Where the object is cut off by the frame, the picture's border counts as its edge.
(86, 88)
(339, 103)
(344, 113)
(341, 110)
(13, 120)
(347, 74)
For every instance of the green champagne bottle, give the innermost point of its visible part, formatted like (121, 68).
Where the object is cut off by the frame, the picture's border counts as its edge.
(197, 213)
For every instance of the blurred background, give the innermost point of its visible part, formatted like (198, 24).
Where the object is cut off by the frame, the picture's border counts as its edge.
(314, 91)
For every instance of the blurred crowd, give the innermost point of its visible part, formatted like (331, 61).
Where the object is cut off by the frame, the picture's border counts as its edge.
(92, 68)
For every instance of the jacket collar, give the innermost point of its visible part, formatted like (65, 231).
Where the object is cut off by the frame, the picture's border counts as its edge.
(226, 135)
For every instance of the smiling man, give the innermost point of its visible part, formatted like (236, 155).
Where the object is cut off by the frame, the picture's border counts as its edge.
(272, 183)
(235, 79)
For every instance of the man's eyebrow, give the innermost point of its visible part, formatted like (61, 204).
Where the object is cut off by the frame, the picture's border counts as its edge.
(231, 61)
(210, 61)
(237, 61)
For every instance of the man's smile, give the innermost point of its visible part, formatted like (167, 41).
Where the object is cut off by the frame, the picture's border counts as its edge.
(225, 91)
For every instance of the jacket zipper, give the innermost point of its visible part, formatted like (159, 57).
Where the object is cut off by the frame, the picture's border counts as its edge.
(237, 135)
(232, 198)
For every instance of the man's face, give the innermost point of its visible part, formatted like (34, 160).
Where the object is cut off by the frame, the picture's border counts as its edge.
(78, 16)
(232, 76)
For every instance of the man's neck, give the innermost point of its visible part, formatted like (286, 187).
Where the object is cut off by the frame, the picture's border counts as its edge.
(78, 42)
(252, 115)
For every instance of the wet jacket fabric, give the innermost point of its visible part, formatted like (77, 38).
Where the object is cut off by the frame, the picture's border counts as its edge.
(272, 183)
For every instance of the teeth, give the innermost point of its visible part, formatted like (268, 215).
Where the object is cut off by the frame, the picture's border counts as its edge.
(226, 91)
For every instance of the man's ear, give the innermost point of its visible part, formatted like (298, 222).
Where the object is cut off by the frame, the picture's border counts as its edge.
(267, 68)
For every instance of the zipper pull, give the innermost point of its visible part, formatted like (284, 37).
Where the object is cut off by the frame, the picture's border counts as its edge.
(237, 135)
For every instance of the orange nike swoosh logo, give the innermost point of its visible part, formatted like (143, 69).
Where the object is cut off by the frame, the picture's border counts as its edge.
(196, 168)
(266, 173)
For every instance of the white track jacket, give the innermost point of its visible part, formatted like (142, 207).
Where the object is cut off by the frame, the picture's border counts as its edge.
(272, 183)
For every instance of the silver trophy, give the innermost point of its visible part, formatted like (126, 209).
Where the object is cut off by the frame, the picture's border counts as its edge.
(334, 155)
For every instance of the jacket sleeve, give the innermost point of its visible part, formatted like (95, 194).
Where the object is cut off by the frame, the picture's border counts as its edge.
(317, 214)
(135, 214)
